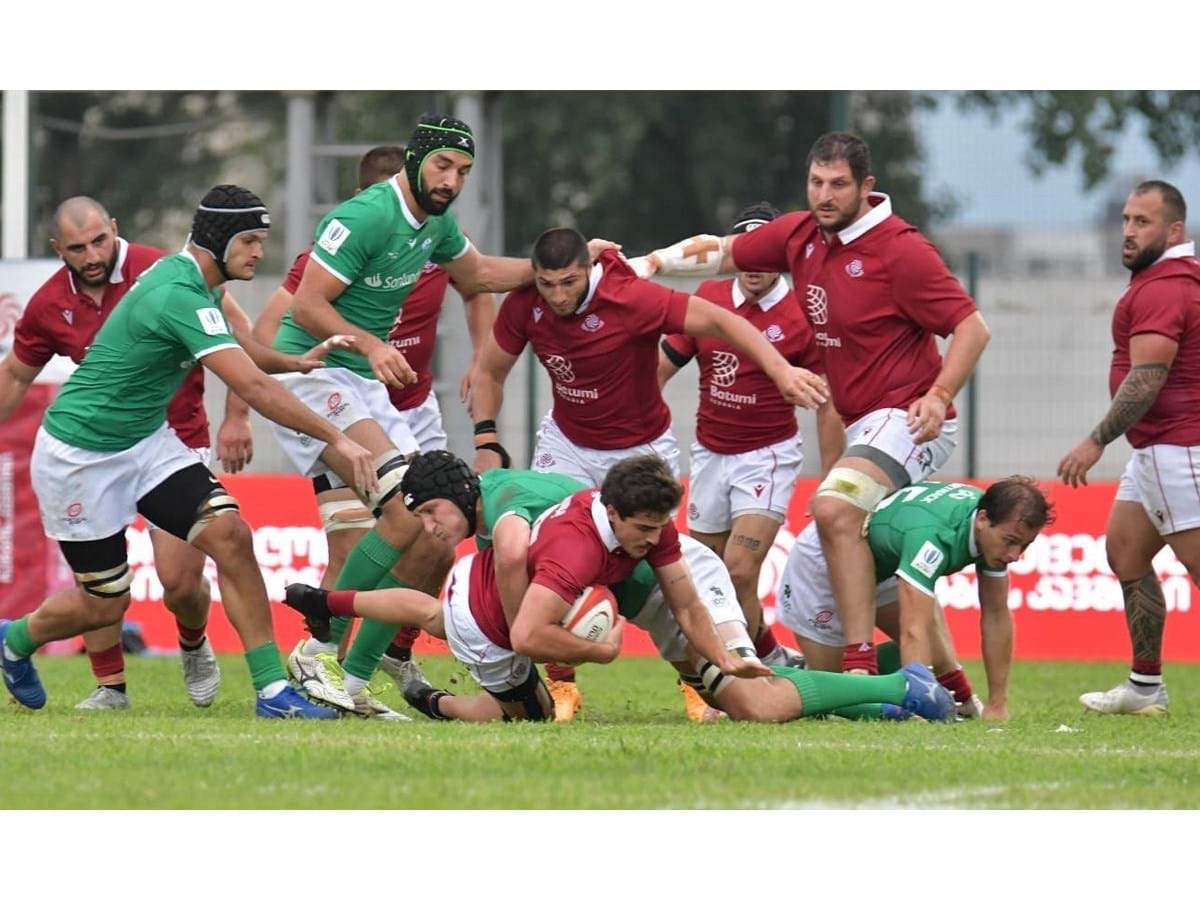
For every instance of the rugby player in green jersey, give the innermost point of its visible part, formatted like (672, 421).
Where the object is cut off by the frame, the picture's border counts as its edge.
(917, 535)
(105, 453)
(368, 254)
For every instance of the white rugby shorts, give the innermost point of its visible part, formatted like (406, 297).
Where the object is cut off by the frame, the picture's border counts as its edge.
(495, 668)
(804, 598)
(1165, 479)
(725, 486)
(554, 452)
(886, 430)
(87, 495)
(425, 423)
(342, 397)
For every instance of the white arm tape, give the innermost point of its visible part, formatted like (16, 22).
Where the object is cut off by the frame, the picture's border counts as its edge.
(699, 255)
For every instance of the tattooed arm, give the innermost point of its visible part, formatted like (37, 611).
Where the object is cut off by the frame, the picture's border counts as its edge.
(1151, 356)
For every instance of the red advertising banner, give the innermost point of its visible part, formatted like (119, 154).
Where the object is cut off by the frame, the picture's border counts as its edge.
(1065, 601)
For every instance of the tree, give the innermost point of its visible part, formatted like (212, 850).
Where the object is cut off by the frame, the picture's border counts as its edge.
(1063, 122)
(649, 167)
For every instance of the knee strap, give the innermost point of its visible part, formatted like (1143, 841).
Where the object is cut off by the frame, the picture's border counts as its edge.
(854, 487)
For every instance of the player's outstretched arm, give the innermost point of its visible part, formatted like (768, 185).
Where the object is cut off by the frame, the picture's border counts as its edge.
(1150, 358)
(538, 632)
(697, 625)
(702, 256)
(268, 358)
(510, 551)
(798, 386)
(480, 310)
(487, 393)
(926, 415)
(15, 379)
(996, 633)
(269, 398)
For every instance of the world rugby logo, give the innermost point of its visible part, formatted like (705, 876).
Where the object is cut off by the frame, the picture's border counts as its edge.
(559, 368)
(818, 304)
(724, 368)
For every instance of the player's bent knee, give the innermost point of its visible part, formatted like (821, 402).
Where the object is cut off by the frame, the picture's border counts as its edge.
(344, 515)
(529, 701)
(390, 468)
(850, 487)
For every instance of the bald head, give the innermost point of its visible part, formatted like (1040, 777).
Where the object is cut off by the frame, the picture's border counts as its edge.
(85, 237)
(78, 213)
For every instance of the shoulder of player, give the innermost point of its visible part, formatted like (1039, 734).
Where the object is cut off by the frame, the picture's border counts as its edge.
(1164, 284)
(53, 289)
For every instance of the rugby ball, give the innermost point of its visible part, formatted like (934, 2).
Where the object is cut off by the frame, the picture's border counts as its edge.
(592, 615)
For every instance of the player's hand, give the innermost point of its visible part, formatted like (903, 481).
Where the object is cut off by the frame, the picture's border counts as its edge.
(611, 645)
(361, 461)
(315, 358)
(464, 386)
(644, 266)
(1073, 467)
(235, 444)
(925, 418)
(801, 387)
(487, 459)
(390, 366)
(741, 667)
(596, 246)
(995, 711)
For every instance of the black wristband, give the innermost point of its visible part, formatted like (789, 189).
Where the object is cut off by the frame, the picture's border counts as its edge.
(487, 426)
(505, 459)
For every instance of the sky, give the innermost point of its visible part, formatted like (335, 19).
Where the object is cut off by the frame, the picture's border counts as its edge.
(960, 147)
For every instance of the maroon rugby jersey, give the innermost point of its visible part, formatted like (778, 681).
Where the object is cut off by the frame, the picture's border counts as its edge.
(1164, 299)
(572, 547)
(740, 407)
(603, 359)
(61, 320)
(876, 294)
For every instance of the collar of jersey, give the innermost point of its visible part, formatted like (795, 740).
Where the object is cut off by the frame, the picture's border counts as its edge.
(972, 547)
(767, 300)
(593, 283)
(600, 518)
(116, 277)
(1187, 248)
(879, 211)
(394, 181)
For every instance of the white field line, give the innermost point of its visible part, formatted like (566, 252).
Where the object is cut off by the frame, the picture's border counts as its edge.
(947, 798)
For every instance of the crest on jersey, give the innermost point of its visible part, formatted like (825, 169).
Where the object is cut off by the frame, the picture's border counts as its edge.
(774, 334)
(592, 323)
(854, 268)
(818, 304)
(333, 237)
(724, 368)
(560, 368)
(212, 321)
(69, 315)
(928, 559)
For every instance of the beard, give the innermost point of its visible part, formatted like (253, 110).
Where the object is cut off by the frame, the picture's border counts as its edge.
(433, 204)
(1146, 257)
(95, 280)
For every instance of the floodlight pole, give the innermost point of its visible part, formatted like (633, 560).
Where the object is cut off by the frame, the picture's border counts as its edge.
(298, 206)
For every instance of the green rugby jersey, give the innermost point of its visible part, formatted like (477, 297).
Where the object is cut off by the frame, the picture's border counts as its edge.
(528, 495)
(140, 356)
(925, 531)
(373, 245)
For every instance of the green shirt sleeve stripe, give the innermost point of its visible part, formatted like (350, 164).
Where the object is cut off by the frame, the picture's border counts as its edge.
(331, 270)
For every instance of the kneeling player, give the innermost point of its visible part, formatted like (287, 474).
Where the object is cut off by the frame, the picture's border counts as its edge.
(920, 533)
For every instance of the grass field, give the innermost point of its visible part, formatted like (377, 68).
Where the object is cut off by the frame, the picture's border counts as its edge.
(631, 742)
